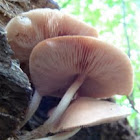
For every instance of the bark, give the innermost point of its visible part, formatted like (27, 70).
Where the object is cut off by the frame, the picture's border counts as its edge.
(15, 90)
(11, 8)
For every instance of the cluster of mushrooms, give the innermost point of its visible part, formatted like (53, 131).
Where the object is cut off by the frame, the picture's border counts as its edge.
(63, 57)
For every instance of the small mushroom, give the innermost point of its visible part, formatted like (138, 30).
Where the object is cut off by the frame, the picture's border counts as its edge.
(28, 29)
(77, 64)
(86, 112)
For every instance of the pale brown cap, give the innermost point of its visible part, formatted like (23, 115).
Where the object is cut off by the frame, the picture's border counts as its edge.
(29, 28)
(85, 112)
(56, 62)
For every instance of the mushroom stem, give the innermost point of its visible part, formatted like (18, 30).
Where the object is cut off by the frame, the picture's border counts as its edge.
(32, 107)
(49, 125)
(63, 104)
(62, 135)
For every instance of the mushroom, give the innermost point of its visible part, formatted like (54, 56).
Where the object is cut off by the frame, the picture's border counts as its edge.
(78, 64)
(86, 112)
(37, 25)
(28, 29)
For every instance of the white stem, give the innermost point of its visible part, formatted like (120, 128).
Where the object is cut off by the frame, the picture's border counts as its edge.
(61, 136)
(32, 107)
(63, 104)
(50, 124)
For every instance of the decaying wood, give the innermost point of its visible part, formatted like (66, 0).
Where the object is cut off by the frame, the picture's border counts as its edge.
(11, 8)
(15, 90)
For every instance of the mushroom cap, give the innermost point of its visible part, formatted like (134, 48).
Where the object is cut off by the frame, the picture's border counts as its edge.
(55, 63)
(29, 28)
(85, 112)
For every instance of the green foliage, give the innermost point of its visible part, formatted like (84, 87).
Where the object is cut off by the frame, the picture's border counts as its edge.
(116, 22)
